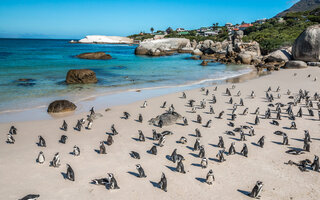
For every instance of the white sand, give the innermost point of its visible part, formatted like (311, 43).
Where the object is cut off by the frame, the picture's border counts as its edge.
(21, 175)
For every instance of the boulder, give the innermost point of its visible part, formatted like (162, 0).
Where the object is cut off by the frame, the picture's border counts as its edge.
(95, 56)
(307, 45)
(163, 47)
(204, 63)
(245, 58)
(279, 56)
(186, 50)
(295, 64)
(61, 106)
(197, 52)
(167, 118)
(81, 76)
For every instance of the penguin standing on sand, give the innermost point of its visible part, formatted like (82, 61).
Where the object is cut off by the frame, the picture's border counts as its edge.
(126, 115)
(306, 145)
(184, 96)
(232, 149)
(211, 110)
(102, 148)
(70, 173)
(210, 177)
(198, 133)
(162, 140)
(109, 140)
(140, 118)
(208, 124)
(113, 130)
(261, 142)
(204, 163)
(90, 122)
(153, 150)
(56, 160)
(64, 126)
(221, 142)
(41, 158)
(76, 150)
(144, 104)
(257, 120)
(141, 171)
(196, 145)
(185, 121)
(42, 142)
(180, 166)
(163, 182)
(141, 136)
(112, 182)
(285, 139)
(10, 139)
(173, 156)
(183, 140)
(315, 164)
(78, 125)
(13, 130)
(244, 150)
(164, 104)
(220, 156)
(199, 119)
(63, 139)
(255, 193)
(202, 152)
(92, 111)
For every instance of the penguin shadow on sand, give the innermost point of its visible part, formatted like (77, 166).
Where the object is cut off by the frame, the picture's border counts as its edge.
(168, 157)
(196, 164)
(136, 139)
(133, 174)
(192, 135)
(149, 138)
(247, 193)
(297, 139)
(275, 142)
(201, 180)
(234, 138)
(64, 175)
(214, 159)
(154, 184)
(255, 144)
(190, 148)
(96, 150)
(316, 139)
(250, 123)
(214, 145)
(171, 168)
(194, 155)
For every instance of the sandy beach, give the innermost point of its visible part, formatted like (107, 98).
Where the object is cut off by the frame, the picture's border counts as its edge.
(234, 178)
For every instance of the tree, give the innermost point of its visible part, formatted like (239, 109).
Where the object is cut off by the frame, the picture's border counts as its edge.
(169, 30)
(152, 29)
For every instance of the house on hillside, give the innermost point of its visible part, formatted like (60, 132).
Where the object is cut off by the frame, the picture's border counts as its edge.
(183, 33)
(180, 30)
(261, 21)
(243, 27)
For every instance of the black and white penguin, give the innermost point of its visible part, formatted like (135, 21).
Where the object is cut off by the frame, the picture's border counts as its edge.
(126, 115)
(112, 182)
(202, 152)
(255, 193)
(315, 164)
(163, 182)
(10, 139)
(89, 125)
(220, 156)
(199, 119)
(245, 111)
(41, 158)
(144, 105)
(221, 142)
(185, 121)
(198, 133)
(183, 140)
(76, 150)
(109, 140)
(251, 131)
(140, 118)
(241, 102)
(141, 136)
(242, 136)
(306, 145)
(78, 125)
(153, 150)
(232, 149)
(92, 111)
(204, 163)
(307, 135)
(293, 125)
(173, 156)
(285, 139)
(30, 197)
(211, 111)
(220, 115)
(230, 100)
(244, 150)
(208, 124)
(56, 160)
(160, 123)
(196, 145)
(64, 126)
(63, 139)
(70, 173)
(42, 142)
(113, 130)
(13, 130)
(135, 154)
(261, 142)
(210, 177)
(239, 93)
(102, 148)
(274, 122)
(257, 120)
(180, 167)
(162, 141)
(164, 104)
(155, 135)
(140, 171)
(252, 95)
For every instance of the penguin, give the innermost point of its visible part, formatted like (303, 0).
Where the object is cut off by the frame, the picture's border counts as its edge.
(140, 118)
(220, 156)
(204, 163)
(221, 142)
(255, 193)
(155, 135)
(199, 119)
(30, 197)
(70, 173)
(163, 182)
(315, 164)
(92, 111)
(230, 100)
(42, 142)
(102, 148)
(193, 110)
(109, 140)
(153, 150)
(160, 124)
(56, 160)
(173, 156)
(161, 141)
(41, 158)
(239, 93)
(278, 89)
(232, 149)
(100, 181)
(183, 140)
(208, 124)
(184, 96)
(141, 136)
(113, 130)
(228, 93)
(207, 92)
(306, 145)
(231, 124)
(233, 117)
(269, 89)
(202, 152)
(261, 142)
(242, 136)
(13, 130)
(198, 133)
(257, 120)
(180, 167)
(244, 150)
(196, 145)
(310, 112)
(285, 139)
(252, 95)
(211, 110)
(144, 104)
(293, 125)
(210, 177)
(245, 112)
(63, 139)
(164, 104)
(135, 155)
(76, 150)
(10, 139)
(191, 102)
(140, 171)
(78, 126)
(112, 182)
(299, 113)
(90, 122)
(126, 115)
(185, 121)
(64, 126)
(220, 115)
(251, 131)
(214, 99)
(307, 135)
(274, 122)
(257, 112)
(215, 89)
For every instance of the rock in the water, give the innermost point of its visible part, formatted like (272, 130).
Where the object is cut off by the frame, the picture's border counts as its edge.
(61, 106)
(204, 63)
(197, 52)
(307, 45)
(295, 64)
(95, 56)
(162, 47)
(279, 56)
(167, 118)
(81, 76)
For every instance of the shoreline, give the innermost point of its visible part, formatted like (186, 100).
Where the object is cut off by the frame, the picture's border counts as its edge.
(137, 94)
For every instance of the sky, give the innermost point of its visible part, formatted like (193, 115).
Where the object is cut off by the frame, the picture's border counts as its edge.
(74, 19)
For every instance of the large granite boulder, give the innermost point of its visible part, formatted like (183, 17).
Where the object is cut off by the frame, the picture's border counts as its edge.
(61, 106)
(197, 52)
(81, 76)
(167, 118)
(95, 56)
(245, 58)
(307, 45)
(295, 64)
(162, 47)
(279, 56)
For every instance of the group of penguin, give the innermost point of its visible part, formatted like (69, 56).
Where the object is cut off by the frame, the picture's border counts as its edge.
(110, 181)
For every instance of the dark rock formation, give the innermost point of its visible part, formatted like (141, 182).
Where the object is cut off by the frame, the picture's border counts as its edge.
(61, 106)
(81, 76)
(301, 6)
(95, 56)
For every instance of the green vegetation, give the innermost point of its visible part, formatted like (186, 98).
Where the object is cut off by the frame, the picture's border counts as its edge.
(141, 37)
(276, 33)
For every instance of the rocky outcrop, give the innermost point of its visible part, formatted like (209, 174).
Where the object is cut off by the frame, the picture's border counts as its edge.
(197, 52)
(295, 64)
(166, 118)
(282, 55)
(307, 45)
(61, 106)
(103, 39)
(95, 56)
(81, 76)
(245, 58)
(163, 47)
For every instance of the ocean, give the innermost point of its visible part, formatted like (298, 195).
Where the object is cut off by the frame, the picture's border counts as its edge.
(46, 62)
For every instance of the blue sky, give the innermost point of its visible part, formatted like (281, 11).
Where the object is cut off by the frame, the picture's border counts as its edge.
(77, 18)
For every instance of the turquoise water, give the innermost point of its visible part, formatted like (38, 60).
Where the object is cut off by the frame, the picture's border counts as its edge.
(46, 63)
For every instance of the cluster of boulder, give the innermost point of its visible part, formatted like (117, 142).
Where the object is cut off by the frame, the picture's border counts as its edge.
(305, 51)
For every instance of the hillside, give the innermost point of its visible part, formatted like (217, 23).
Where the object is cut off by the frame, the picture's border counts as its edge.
(301, 6)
